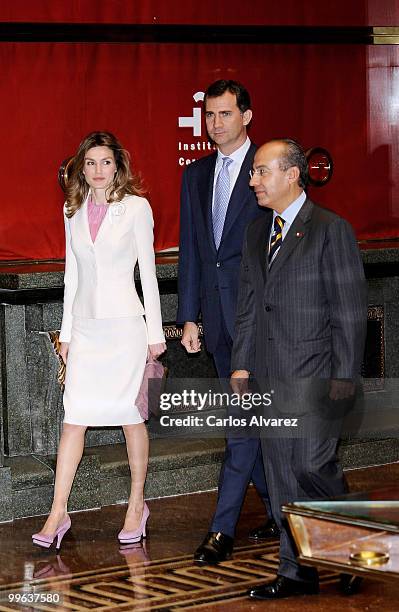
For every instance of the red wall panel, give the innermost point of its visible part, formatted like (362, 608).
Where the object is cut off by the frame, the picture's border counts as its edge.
(341, 97)
(267, 12)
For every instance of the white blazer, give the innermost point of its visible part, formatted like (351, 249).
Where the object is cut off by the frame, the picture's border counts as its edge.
(99, 276)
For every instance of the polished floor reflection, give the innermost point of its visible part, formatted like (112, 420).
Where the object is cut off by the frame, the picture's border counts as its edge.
(92, 572)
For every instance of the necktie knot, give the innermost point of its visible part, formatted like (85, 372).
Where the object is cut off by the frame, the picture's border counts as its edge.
(278, 224)
(226, 162)
(276, 237)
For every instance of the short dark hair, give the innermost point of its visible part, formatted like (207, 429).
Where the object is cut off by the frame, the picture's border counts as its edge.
(294, 155)
(218, 88)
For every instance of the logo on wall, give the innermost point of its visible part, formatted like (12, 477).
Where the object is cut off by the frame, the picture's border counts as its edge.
(195, 143)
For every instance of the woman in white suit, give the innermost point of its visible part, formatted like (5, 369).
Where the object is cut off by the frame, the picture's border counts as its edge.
(104, 337)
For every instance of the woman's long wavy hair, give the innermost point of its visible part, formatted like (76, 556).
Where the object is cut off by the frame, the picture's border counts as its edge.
(124, 182)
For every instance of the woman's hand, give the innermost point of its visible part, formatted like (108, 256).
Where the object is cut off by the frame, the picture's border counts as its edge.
(155, 350)
(64, 348)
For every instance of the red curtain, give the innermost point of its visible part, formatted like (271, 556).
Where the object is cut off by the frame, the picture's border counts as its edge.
(225, 12)
(312, 12)
(343, 98)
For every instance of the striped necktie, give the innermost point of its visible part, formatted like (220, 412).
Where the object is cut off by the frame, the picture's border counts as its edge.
(221, 201)
(276, 237)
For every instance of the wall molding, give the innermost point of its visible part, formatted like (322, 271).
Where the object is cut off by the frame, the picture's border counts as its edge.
(212, 34)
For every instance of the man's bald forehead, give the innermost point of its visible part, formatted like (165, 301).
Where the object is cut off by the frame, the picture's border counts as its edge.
(273, 148)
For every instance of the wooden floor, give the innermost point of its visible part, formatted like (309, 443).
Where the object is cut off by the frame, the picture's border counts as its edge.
(93, 573)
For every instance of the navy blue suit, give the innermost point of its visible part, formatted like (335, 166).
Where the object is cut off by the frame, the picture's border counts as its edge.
(208, 284)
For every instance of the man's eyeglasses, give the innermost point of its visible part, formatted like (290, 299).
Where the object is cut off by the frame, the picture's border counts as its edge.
(264, 171)
(258, 171)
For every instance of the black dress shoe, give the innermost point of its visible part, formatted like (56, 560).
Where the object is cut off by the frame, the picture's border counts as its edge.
(215, 548)
(265, 531)
(283, 587)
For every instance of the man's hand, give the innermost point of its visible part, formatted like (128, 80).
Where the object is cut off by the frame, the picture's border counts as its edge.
(63, 352)
(341, 389)
(190, 339)
(239, 381)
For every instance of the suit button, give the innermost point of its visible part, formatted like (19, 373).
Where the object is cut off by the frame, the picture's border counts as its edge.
(218, 264)
(268, 308)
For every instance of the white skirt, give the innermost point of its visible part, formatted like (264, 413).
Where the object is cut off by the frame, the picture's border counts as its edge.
(104, 371)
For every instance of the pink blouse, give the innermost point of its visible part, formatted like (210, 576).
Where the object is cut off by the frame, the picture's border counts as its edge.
(96, 214)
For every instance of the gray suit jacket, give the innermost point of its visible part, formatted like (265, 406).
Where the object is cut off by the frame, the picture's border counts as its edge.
(307, 315)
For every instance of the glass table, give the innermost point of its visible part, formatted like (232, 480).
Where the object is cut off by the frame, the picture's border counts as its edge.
(354, 534)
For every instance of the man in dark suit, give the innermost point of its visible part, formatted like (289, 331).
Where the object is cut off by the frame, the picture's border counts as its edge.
(300, 330)
(216, 206)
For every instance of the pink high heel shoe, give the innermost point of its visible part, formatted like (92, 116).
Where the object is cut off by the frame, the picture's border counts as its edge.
(130, 537)
(135, 553)
(55, 568)
(46, 541)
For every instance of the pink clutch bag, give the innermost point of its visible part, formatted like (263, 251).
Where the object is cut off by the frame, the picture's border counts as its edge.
(149, 394)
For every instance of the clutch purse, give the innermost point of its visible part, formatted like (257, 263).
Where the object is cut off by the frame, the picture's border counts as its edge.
(56, 344)
(148, 395)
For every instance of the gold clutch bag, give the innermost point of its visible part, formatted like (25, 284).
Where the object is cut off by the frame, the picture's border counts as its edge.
(55, 341)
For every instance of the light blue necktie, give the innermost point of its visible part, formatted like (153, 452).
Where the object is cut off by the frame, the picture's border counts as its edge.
(221, 202)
